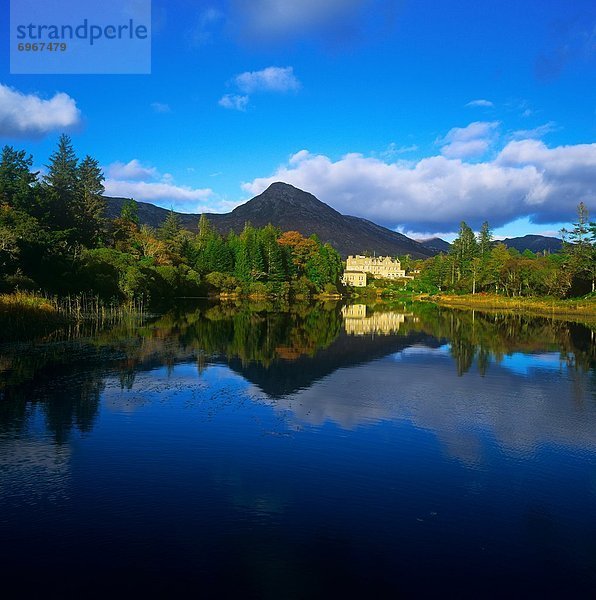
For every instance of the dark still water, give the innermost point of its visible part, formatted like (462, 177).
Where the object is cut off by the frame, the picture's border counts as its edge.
(301, 452)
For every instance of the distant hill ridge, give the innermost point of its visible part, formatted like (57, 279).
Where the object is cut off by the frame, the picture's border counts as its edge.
(290, 208)
(436, 244)
(535, 243)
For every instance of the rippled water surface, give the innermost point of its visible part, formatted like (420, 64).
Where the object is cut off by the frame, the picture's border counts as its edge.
(296, 452)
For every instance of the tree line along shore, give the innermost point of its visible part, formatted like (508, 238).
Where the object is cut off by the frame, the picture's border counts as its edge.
(56, 242)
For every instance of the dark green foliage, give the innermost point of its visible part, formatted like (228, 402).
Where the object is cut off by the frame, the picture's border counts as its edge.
(463, 251)
(130, 211)
(17, 182)
(61, 187)
(170, 228)
(90, 204)
(470, 267)
(485, 239)
(272, 253)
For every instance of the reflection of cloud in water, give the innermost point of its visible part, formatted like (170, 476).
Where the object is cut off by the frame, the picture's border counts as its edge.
(519, 412)
(210, 383)
(32, 470)
(420, 349)
(526, 401)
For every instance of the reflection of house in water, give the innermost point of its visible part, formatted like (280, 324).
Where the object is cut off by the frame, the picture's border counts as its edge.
(357, 323)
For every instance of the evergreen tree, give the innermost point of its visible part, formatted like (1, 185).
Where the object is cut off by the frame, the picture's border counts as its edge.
(254, 252)
(485, 239)
(91, 203)
(125, 228)
(580, 248)
(61, 184)
(463, 250)
(436, 271)
(170, 228)
(272, 253)
(130, 211)
(241, 260)
(16, 178)
(206, 231)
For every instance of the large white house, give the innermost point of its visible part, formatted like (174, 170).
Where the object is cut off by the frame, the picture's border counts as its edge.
(377, 266)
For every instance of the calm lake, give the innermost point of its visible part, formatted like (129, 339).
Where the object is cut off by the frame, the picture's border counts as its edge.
(299, 452)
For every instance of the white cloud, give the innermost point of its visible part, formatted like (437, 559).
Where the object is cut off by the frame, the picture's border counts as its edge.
(160, 107)
(271, 79)
(525, 179)
(467, 149)
(30, 116)
(135, 180)
(132, 170)
(473, 131)
(234, 102)
(470, 141)
(480, 102)
(537, 132)
(155, 191)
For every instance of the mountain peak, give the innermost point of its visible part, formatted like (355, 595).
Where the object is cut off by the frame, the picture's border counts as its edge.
(280, 197)
(283, 186)
(291, 208)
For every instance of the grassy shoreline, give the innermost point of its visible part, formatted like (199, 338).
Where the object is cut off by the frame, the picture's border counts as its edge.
(584, 308)
(25, 314)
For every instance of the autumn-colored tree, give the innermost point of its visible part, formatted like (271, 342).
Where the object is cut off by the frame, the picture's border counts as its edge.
(302, 249)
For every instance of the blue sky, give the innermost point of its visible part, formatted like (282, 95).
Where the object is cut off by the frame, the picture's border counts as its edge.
(414, 114)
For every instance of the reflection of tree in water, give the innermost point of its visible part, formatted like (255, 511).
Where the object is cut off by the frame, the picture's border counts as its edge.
(66, 378)
(463, 352)
(76, 406)
(67, 399)
(475, 335)
(256, 332)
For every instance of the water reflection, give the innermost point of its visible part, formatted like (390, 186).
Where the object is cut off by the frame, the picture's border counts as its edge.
(305, 352)
(517, 413)
(358, 321)
(248, 447)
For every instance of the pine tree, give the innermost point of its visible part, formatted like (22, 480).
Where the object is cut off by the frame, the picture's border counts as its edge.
(241, 260)
(205, 231)
(580, 248)
(254, 252)
(170, 228)
(463, 250)
(130, 211)
(272, 253)
(61, 185)
(16, 178)
(480, 264)
(485, 238)
(91, 203)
